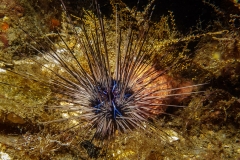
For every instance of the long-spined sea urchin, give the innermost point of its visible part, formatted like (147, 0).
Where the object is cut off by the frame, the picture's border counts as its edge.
(109, 97)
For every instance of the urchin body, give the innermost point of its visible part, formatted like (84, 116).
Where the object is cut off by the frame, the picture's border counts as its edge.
(111, 108)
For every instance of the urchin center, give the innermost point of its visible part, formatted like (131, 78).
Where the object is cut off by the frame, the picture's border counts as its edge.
(110, 100)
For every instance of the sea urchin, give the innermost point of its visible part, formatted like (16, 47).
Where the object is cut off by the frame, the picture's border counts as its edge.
(109, 96)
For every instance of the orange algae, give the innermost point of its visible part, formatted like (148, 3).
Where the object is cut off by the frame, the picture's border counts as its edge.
(55, 23)
(4, 26)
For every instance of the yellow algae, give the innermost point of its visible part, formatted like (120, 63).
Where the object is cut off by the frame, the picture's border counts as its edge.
(205, 129)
